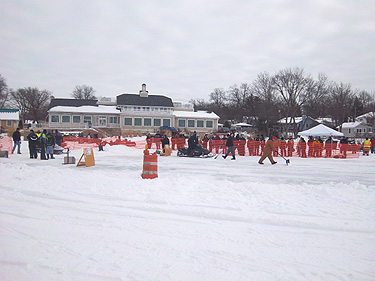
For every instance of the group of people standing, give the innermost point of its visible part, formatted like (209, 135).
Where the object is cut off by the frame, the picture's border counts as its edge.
(43, 141)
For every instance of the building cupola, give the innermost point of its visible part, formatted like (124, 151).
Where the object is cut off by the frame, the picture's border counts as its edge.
(143, 93)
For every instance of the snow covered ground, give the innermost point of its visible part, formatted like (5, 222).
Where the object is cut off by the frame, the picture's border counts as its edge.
(202, 219)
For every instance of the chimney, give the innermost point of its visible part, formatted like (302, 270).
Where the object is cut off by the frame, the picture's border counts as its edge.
(143, 93)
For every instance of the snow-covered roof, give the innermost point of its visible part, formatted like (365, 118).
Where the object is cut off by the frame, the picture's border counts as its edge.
(86, 109)
(9, 114)
(242, 125)
(351, 124)
(366, 115)
(324, 119)
(288, 120)
(195, 114)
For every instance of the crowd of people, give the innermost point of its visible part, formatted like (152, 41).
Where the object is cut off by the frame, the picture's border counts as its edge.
(226, 144)
(39, 142)
(235, 143)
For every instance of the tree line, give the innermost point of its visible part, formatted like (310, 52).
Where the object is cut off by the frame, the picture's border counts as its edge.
(290, 92)
(32, 102)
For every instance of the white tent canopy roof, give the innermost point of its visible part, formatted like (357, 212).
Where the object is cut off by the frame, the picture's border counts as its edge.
(321, 131)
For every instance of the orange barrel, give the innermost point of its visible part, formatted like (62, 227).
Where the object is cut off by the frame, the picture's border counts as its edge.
(150, 165)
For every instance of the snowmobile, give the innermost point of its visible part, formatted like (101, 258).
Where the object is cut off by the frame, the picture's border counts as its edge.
(56, 149)
(197, 151)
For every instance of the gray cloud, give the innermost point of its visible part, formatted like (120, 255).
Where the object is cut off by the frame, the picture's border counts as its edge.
(183, 49)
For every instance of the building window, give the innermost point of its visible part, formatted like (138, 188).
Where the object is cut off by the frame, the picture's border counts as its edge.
(128, 121)
(137, 108)
(200, 124)
(359, 131)
(191, 123)
(113, 120)
(147, 122)
(55, 118)
(349, 131)
(103, 121)
(86, 119)
(76, 119)
(137, 121)
(157, 122)
(181, 123)
(9, 123)
(209, 124)
(65, 119)
(166, 122)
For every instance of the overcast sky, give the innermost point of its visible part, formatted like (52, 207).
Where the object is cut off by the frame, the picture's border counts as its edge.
(182, 49)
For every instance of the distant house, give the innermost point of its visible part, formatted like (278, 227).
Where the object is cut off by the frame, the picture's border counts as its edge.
(9, 119)
(355, 129)
(130, 113)
(368, 119)
(297, 124)
(328, 121)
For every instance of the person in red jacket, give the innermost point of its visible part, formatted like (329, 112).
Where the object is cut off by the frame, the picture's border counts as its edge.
(373, 145)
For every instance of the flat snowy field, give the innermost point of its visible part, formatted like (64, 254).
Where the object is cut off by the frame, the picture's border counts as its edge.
(202, 219)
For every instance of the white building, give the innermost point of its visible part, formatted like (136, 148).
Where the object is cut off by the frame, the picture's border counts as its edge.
(9, 120)
(355, 129)
(130, 113)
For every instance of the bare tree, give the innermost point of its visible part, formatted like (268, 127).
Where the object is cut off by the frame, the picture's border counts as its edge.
(4, 92)
(218, 97)
(31, 102)
(316, 104)
(294, 88)
(263, 88)
(367, 100)
(341, 98)
(83, 92)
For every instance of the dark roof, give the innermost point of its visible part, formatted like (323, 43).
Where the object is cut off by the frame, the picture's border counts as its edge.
(8, 110)
(72, 102)
(151, 100)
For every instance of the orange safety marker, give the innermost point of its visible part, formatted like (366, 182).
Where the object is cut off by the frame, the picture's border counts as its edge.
(150, 165)
(89, 161)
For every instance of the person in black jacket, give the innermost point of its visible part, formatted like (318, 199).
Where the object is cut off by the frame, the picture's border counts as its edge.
(33, 141)
(230, 145)
(192, 141)
(50, 144)
(17, 141)
(164, 142)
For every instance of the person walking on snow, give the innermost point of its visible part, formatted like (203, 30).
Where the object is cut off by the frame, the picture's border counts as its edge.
(267, 151)
(17, 141)
(229, 143)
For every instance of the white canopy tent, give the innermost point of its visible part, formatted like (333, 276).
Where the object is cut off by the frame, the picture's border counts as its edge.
(321, 131)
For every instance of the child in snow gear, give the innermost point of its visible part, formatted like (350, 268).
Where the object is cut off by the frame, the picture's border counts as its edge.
(267, 151)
